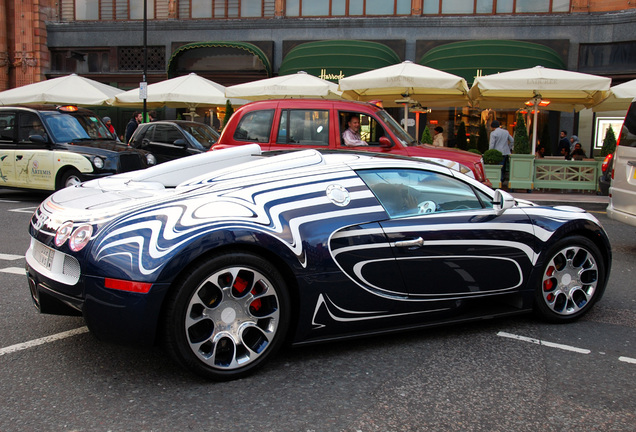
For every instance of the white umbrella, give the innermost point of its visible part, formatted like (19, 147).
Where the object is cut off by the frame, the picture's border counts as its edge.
(566, 90)
(71, 89)
(298, 85)
(188, 91)
(407, 80)
(620, 97)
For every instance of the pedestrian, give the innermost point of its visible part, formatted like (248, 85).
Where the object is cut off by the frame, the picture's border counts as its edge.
(109, 126)
(132, 125)
(438, 138)
(501, 140)
(578, 153)
(573, 141)
(152, 115)
(564, 145)
(351, 137)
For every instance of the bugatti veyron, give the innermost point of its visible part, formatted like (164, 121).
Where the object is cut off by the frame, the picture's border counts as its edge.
(226, 255)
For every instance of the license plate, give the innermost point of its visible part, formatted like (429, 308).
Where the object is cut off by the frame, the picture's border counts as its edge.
(44, 255)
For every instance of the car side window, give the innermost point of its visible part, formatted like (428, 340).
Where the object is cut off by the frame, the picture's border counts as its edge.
(304, 127)
(409, 192)
(255, 126)
(167, 134)
(29, 125)
(370, 129)
(7, 129)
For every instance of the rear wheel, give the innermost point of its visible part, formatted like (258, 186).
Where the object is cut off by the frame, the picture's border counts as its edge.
(228, 316)
(572, 280)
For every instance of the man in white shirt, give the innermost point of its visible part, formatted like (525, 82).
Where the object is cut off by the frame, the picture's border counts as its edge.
(351, 137)
(501, 140)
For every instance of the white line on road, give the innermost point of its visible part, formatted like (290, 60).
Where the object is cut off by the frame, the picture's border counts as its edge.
(544, 343)
(24, 210)
(627, 360)
(42, 341)
(14, 270)
(10, 257)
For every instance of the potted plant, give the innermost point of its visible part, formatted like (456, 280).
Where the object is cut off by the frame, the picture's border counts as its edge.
(521, 161)
(427, 138)
(492, 166)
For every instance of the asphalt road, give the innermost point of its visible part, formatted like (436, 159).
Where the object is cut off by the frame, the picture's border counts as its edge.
(516, 374)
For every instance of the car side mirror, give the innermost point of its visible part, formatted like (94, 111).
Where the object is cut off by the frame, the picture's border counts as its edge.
(38, 139)
(385, 143)
(502, 201)
(180, 143)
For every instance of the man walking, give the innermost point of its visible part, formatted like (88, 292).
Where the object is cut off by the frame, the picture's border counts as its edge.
(132, 125)
(501, 140)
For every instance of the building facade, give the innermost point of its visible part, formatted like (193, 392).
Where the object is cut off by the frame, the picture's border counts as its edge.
(234, 41)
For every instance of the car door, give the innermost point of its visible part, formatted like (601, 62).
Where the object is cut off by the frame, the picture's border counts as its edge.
(448, 241)
(7, 147)
(33, 159)
(302, 128)
(166, 143)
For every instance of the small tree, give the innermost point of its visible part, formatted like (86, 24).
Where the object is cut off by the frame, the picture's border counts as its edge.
(462, 143)
(493, 157)
(522, 143)
(427, 138)
(482, 140)
(472, 143)
(228, 112)
(609, 142)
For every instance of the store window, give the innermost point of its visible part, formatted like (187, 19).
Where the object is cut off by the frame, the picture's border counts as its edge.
(307, 8)
(201, 9)
(86, 10)
(136, 11)
(470, 7)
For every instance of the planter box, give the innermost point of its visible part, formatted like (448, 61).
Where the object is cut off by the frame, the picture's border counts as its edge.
(521, 171)
(493, 173)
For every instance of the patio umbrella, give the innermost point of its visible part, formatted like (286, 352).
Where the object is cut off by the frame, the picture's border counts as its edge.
(405, 84)
(298, 85)
(619, 99)
(565, 90)
(187, 91)
(71, 89)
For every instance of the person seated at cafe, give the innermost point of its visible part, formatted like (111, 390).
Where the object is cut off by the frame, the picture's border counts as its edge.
(578, 153)
(540, 152)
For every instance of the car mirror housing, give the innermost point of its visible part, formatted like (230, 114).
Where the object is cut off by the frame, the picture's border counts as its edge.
(180, 143)
(385, 143)
(502, 201)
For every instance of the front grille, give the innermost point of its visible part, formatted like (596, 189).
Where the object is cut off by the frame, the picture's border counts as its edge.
(130, 162)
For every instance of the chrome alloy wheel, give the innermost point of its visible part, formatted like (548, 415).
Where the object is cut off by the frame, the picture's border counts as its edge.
(232, 318)
(570, 280)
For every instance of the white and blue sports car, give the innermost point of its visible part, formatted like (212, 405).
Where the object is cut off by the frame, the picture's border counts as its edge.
(226, 255)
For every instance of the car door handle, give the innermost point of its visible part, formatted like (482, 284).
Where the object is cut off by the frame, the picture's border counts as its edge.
(415, 243)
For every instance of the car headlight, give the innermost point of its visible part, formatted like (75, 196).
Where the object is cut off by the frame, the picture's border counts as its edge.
(98, 162)
(63, 233)
(80, 237)
(150, 159)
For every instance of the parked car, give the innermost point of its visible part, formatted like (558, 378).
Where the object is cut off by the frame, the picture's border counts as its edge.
(169, 140)
(622, 193)
(227, 254)
(316, 123)
(49, 148)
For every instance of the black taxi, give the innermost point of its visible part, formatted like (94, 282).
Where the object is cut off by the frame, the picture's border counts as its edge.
(52, 147)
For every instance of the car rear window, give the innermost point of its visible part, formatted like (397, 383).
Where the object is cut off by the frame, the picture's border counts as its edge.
(628, 132)
(255, 126)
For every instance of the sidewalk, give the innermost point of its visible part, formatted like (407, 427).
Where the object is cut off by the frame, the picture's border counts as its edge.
(574, 198)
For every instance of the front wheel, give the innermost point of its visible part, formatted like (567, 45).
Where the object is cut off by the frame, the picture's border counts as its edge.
(573, 279)
(70, 178)
(228, 316)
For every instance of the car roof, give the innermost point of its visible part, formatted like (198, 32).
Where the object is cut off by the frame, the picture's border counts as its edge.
(342, 104)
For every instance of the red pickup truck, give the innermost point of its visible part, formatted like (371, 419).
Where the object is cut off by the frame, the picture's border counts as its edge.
(316, 123)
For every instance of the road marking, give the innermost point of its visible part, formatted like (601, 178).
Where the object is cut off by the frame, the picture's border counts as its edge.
(544, 343)
(8, 201)
(24, 210)
(14, 270)
(9, 257)
(42, 341)
(627, 360)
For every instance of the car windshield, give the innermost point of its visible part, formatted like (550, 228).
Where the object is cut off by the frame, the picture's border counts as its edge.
(202, 135)
(401, 134)
(69, 128)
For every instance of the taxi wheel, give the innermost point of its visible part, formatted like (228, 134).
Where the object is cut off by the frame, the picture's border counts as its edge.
(70, 177)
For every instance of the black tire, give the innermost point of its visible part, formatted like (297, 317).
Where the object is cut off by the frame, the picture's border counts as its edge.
(572, 279)
(227, 317)
(70, 177)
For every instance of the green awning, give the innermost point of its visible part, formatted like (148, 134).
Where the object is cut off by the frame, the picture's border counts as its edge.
(215, 57)
(335, 59)
(470, 58)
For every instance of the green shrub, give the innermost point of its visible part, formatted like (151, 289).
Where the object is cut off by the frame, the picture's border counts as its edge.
(461, 140)
(522, 143)
(609, 142)
(493, 157)
(228, 112)
(474, 150)
(482, 139)
(427, 138)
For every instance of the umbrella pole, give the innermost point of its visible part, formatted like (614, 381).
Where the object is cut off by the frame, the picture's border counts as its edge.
(534, 126)
(406, 116)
